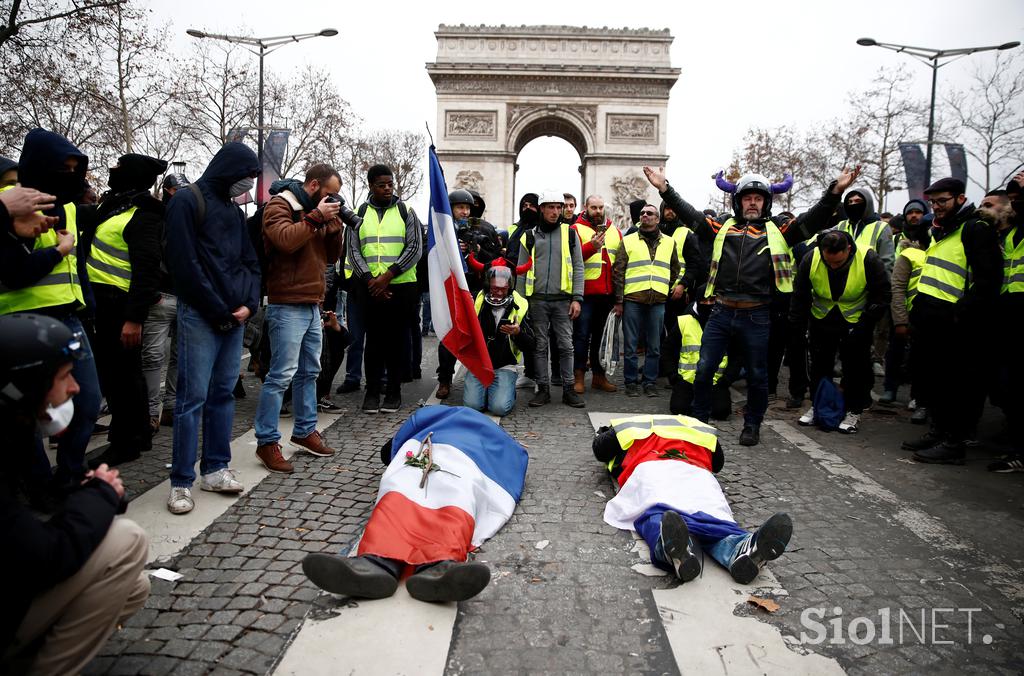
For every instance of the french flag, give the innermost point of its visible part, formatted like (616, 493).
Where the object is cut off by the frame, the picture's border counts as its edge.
(484, 470)
(451, 306)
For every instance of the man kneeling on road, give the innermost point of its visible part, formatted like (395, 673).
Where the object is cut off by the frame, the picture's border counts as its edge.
(678, 506)
(73, 579)
(453, 480)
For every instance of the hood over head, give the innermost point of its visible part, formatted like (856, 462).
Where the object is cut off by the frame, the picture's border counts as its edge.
(232, 163)
(634, 210)
(865, 213)
(531, 197)
(41, 166)
(920, 205)
(477, 211)
(6, 164)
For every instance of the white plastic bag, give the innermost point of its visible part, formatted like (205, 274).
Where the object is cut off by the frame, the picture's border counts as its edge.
(611, 344)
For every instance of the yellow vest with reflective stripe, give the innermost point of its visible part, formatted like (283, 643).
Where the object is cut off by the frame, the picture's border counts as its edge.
(679, 236)
(854, 297)
(642, 273)
(612, 238)
(59, 287)
(869, 236)
(382, 241)
(782, 257)
(519, 308)
(108, 261)
(945, 272)
(682, 427)
(916, 258)
(565, 285)
(1013, 264)
(689, 349)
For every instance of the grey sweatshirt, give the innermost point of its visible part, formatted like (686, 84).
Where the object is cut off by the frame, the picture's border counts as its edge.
(547, 266)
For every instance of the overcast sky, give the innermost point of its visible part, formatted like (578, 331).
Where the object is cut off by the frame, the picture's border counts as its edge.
(743, 63)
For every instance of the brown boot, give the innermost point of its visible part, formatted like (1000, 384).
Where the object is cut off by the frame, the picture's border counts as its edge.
(167, 417)
(270, 456)
(600, 383)
(443, 390)
(314, 444)
(578, 387)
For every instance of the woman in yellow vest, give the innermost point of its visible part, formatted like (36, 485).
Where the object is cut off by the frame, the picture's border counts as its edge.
(124, 270)
(840, 290)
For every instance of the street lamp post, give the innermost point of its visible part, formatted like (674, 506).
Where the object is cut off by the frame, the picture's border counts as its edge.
(265, 46)
(930, 57)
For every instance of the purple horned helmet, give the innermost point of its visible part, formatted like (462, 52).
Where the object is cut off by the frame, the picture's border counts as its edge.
(753, 183)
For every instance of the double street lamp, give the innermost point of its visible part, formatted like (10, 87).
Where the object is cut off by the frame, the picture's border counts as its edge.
(931, 58)
(264, 46)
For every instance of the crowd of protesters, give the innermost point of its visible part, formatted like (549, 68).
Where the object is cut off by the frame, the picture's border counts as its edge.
(146, 299)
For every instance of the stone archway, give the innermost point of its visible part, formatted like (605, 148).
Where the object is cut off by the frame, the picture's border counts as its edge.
(605, 91)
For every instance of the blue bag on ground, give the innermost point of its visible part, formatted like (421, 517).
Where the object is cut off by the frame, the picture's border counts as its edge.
(829, 407)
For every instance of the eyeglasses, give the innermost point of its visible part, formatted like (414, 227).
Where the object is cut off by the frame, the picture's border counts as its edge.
(941, 200)
(648, 213)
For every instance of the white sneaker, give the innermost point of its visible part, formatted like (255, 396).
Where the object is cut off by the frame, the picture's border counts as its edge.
(849, 424)
(807, 418)
(912, 405)
(221, 481)
(522, 383)
(180, 501)
(878, 370)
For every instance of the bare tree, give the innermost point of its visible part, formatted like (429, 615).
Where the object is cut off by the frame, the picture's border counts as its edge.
(775, 153)
(405, 153)
(989, 117)
(24, 19)
(219, 94)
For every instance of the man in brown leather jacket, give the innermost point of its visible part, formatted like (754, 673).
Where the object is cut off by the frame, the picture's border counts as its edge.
(302, 234)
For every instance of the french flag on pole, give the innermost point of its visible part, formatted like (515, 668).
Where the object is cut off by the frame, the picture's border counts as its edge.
(451, 306)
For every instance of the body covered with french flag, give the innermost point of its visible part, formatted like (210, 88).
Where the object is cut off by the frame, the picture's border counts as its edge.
(479, 480)
(668, 494)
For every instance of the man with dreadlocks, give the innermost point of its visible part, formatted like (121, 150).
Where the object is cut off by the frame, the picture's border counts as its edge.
(750, 261)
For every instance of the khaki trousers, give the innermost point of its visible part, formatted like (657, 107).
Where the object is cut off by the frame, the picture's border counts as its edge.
(78, 615)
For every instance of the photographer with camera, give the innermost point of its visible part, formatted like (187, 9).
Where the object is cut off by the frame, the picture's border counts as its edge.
(74, 578)
(478, 237)
(302, 234)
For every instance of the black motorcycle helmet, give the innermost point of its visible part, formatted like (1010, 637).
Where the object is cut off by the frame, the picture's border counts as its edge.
(32, 348)
(460, 196)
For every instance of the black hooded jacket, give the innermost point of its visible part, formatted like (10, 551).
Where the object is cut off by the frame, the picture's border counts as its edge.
(213, 264)
(42, 158)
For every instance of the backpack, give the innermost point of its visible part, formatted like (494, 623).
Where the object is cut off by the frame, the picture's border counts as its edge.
(829, 406)
(200, 218)
(254, 226)
(403, 210)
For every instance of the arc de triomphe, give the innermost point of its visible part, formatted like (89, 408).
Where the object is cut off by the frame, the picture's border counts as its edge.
(605, 91)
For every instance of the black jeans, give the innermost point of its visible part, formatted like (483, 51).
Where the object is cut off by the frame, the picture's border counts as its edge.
(387, 334)
(331, 358)
(853, 343)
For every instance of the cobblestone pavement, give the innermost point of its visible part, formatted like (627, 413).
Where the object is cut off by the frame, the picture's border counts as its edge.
(872, 532)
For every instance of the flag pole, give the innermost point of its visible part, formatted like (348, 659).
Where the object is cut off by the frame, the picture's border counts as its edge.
(431, 136)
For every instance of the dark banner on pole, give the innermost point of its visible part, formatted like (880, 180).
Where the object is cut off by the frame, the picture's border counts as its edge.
(914, 165)
(273, 156)
(957, 161)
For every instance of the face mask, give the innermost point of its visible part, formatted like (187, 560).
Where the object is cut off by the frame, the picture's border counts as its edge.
(67, 186)
(241, 186)
(60, 418)
(119, 181)
(855, 211)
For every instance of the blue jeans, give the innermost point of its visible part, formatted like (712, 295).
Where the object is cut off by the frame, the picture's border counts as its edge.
(425, 321)
(499, 399)
(357, 329)
(749, 327)
(208, 362)
(296, 338)
(719, 546)
(646, 320)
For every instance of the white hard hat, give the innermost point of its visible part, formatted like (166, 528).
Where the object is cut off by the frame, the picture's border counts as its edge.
(551, 197)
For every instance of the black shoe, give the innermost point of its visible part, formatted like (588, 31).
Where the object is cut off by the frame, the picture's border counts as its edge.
(347, 386)
(392, 403)
(929, 439)
(114, 456)
(947, 453)
(919, 416)
(794, 402)
(766, 544)
(448, 581)
(632, 390)
(357, 576)
(679, 547)
(417, 374)
(751, 435)
(1007, 465)
(327, 406)
(651, 390)
(239, 391)
(542, 397)
(571, 398)
(100, 428)
(371, 403)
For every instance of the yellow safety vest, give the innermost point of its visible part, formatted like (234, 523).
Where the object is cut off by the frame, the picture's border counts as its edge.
(869, 236)
(679, 235)
(612, 238)
(108, 261)
(916, 258)
(566, 272)
(782, 257)
(682, 427)
(855, 296)
(381, 241)
(1013, 264)
(945, 273)
(689, 350)
(519, 309)
(642, 273)
(60, 287)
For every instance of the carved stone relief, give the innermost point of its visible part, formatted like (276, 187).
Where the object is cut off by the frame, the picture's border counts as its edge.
(476, 124)
(577, 88)
(626, 188)
(518, 111)
(632, 128)
(469, 179)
